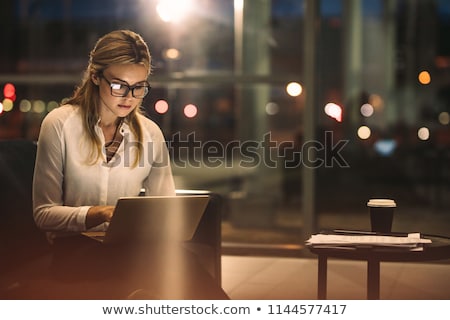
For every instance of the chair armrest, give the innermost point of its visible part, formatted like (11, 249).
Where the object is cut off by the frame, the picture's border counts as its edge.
(208, 233)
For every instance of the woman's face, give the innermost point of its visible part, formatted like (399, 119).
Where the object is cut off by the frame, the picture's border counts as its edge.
(115, 81)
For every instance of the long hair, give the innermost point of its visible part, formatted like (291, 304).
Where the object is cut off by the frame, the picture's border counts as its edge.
(116, 47)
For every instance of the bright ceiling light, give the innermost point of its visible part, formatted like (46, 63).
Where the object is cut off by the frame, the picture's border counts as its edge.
(173, 10)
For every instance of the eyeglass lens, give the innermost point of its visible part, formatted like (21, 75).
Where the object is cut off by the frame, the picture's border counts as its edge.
(121, 90)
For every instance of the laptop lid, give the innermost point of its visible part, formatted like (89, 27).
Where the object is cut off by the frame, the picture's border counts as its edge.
(155, 218)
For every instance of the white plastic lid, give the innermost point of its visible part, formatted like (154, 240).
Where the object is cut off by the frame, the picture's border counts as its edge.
(388, 203)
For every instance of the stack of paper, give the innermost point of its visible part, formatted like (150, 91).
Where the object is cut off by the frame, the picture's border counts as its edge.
(411, 241)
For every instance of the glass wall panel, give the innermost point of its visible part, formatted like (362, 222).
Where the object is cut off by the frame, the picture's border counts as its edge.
(393, 73)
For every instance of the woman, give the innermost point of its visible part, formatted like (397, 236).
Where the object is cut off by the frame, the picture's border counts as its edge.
(93, 150)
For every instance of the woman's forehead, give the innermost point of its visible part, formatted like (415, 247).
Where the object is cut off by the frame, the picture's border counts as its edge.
(128, 72)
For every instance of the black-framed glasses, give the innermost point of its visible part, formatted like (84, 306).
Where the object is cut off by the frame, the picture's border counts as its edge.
(119, 89)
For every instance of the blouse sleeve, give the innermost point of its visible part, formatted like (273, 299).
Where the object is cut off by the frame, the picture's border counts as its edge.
(49, 211)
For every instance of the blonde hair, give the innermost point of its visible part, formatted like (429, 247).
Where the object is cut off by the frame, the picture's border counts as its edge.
(116, 47)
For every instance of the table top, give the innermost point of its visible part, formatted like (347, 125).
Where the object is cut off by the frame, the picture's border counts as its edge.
(438, 249)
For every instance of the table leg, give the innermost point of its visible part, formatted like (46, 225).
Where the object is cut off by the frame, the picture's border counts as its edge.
(322, 278)
(373, 279)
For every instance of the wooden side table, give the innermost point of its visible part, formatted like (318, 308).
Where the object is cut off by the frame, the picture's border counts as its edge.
(438, 249)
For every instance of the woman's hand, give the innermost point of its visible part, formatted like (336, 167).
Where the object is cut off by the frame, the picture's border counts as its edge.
(98, 214)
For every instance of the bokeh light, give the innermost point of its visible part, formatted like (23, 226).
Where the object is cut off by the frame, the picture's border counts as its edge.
(444, 118)
(161, 106)
(172, 54)
(9, 91)
(294, 89)
(424, 77)
(334, 111)
(272, 108)
(190, 111)
(38, 106)
(25, 105)
(8, 104)
(1, 108)
(423, 133)
(385, 147)
(376, 101)
(364, 132)
(366, 110)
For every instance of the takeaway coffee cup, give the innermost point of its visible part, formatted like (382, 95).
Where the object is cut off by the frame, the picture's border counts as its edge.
(381, 214)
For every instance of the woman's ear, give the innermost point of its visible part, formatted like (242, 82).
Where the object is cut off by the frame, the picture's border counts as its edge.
(95, 79)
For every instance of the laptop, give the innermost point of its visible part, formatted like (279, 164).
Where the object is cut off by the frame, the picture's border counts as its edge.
(153, 219)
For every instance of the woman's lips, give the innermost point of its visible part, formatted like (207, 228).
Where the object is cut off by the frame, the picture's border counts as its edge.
(124, 106)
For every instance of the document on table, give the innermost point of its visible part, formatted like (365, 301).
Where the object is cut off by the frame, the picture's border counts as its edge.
(410, 241)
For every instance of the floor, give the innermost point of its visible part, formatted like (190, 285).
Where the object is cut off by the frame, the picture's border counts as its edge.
(284, 278)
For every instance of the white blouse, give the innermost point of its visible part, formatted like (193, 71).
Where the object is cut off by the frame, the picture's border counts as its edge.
(65, 186)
